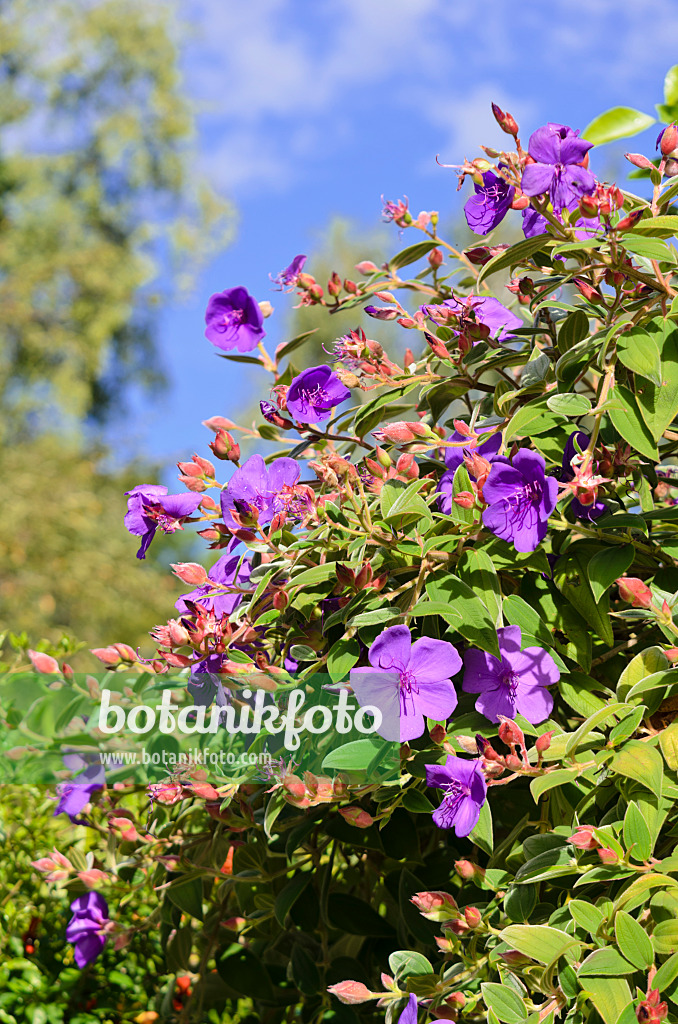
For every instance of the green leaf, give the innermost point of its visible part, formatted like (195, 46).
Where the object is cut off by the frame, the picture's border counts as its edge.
(504, 1002)
(535, 417)
(573, 329)
(244, 972)
(647, 663)
(606, 961)
(650, 248)
(318, 574)
(560, 777)
(482, 834)
(415, 801)
(586, 915)
(294, 343)
(667, 973)
(405, 962)
(352, 757)
(592, 723)
(570, 576)
(374, 411)
(569, 404)
(608, 565)
(637, 836)
(577, 689)
(446, 611)
(518, 253)
(476, 625)
(411, 254)
(664, 225)
(641, 762)
(639, 352)
(665, 937)
(538, 941)
(288, 896)
(633, 941)
(668, 741)
(342, 658)
(610, 996)
(629, 422)
(476, 569)
(186, 894)
(617, 123)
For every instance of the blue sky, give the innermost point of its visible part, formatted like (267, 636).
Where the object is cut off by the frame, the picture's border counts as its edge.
(311, 110)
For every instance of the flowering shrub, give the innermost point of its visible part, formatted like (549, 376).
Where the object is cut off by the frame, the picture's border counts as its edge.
(480, 537)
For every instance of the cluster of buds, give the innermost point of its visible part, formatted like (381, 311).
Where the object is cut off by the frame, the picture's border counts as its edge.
(383, 468)
(358, 579)
(197, 475)
(667, 144)
(495, 764)
(334, 470)
(584, 838)
(364, 357)
(312, 790)
(335, 286)
(639, 595)
(442, 907)
(399, 213)
(116, 655)
(605, 200)
(650, 1010)
(310, 292)
(58, 868)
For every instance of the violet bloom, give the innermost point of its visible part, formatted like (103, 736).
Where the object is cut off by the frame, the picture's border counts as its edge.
(86, 928)
(520, 499)
(454, 457)
(266, 490)
(76, 794)
(557, 151)
(234, 320)
(580, 511)
(490, 204)
(407, 682)
(465, 792)
(287, 278)
(225, 571)
(516, 684)
(150, 507)
(489, 311)
(536, 224)
(314, 393)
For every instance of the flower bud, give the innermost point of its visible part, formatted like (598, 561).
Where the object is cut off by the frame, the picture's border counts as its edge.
(435, 258)
(650, 1010)
(472, 916)
(588, 206)
(513, 762)
(467, 870)
(217, 423)
(628, 222)
(334, 284)
(351, 992)
(634, 592)
(520, 203)
(464, 499)
(638, 160)
(381, 312)
(435, 906)
(506, 121)
(107, 655)
(366, 267)
(266, 308)
(608, 856)
(669, 140)
(584, 838)
(510, 733)
(356, 816)
(224, 447)
(438, 734)
(543, 742)
(191, 573)
(350, 286)
(587, 290)
(479, 256)
(43, 662)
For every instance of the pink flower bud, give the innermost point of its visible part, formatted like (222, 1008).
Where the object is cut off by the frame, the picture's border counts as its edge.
(351, 992)
(356, 816)
(506, 121)
(467, 870)
(366, 267)
(92, 877)
(543, 742)
(435, 906)
(634, 592)
(472, 916)
(191, 573)
(217, 423)
(435, 258)
(584, 838)
(669, 140)
(638, 160)
(465, 499)
(608, 856)
(43, 662)
(224, 447)
(510, 733)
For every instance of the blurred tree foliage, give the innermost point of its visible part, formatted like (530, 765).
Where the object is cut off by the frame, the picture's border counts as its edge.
(100, 212)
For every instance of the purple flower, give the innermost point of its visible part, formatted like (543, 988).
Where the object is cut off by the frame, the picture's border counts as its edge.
(268, 490)
(314, 393)
(74, 795)
(287, 278)
(489, 205)
(86, 928)
(407, 682)
(465, 789)
(557, 151)
(455, 456)
(585, 512)
(516, 683)
(520, 499)
(225, 571)
(536, 224)
(150, 507)
(234, 320)
(488, 311)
